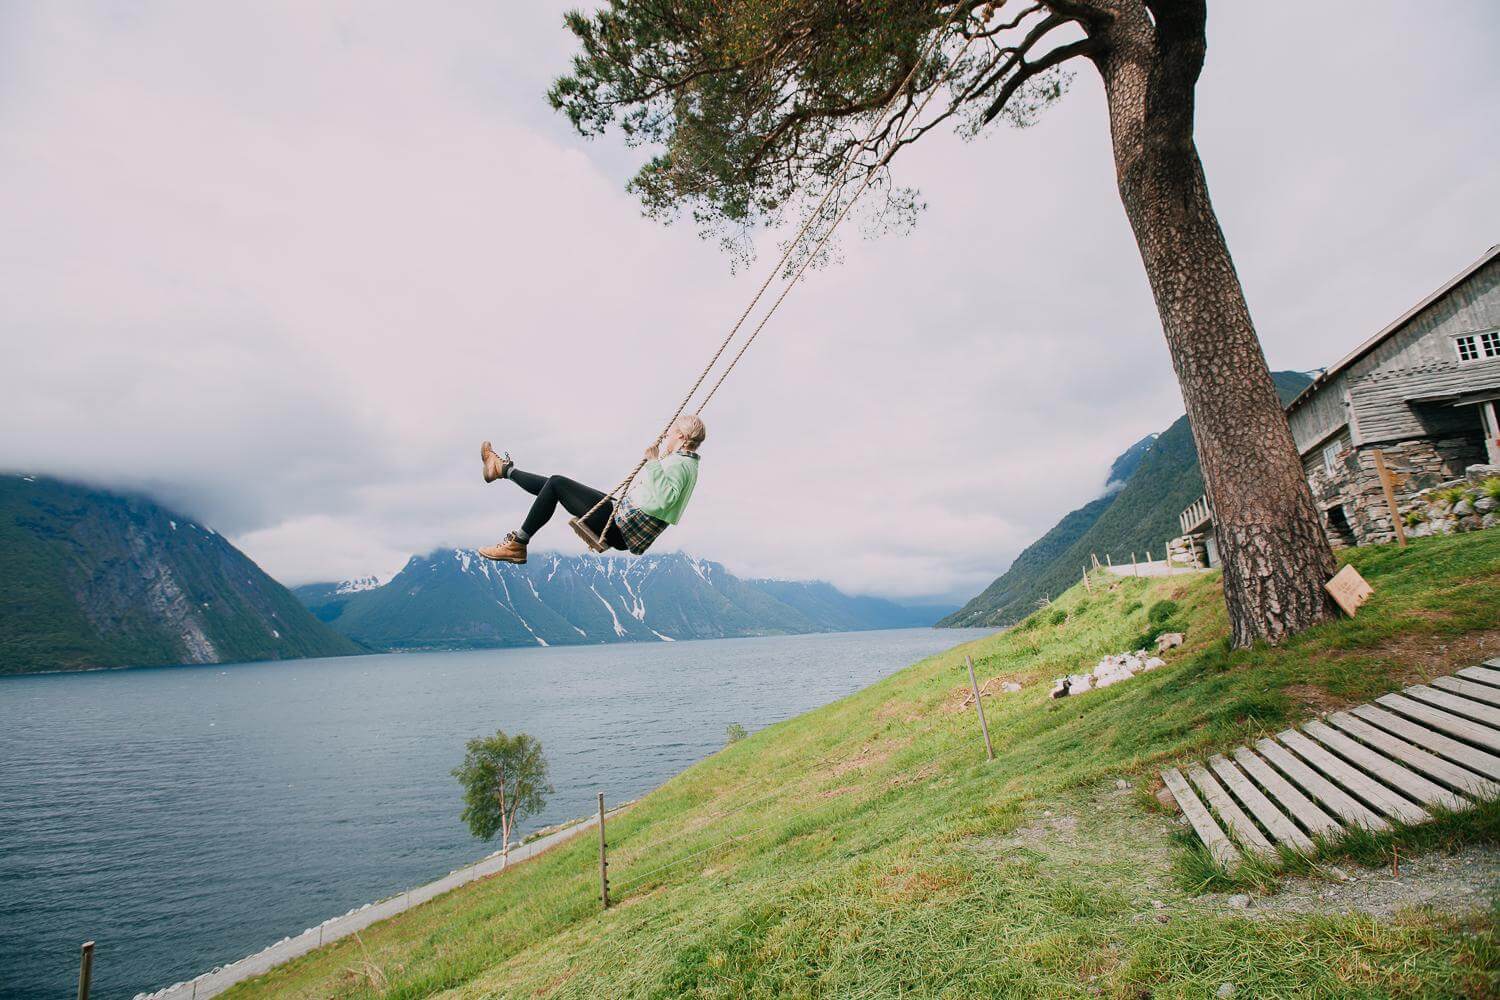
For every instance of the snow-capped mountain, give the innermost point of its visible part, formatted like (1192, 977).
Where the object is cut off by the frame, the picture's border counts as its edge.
(452, 598)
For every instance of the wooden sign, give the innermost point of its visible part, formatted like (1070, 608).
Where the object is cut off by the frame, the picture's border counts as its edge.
(1348, 590)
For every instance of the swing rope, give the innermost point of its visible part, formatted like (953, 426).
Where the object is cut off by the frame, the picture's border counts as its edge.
(596, 542)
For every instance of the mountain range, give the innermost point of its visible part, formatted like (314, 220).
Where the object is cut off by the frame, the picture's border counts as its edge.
(453, 599)
(1147, 487)
(90, 578)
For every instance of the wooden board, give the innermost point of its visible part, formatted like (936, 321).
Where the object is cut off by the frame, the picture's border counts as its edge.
(1262, 808)
(1464, 729)
(1460, 753)
(1352, 779)
(1348, 590)
(1468, 689)
(1343, 805)
(1483, 675)
(1407, 782)
(1242, 826)
(1218, 845)
(1478, 711)
(1314, 820)
(1416, 758)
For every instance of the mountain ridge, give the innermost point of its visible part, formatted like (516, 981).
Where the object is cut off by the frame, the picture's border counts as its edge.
(454, 599)
(91, 578)
(1139, 516)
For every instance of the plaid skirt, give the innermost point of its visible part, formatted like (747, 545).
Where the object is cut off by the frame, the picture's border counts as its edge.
(636, 527)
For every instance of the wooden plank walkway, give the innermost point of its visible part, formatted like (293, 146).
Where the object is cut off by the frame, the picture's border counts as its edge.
(1429, 747)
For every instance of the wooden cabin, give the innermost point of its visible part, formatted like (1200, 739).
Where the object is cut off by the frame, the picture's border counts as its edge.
(1424, 392)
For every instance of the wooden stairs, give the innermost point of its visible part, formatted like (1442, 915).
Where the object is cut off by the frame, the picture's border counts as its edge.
(1429, 747)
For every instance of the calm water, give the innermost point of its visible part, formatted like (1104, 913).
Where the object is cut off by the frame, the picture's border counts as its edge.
(185, 817)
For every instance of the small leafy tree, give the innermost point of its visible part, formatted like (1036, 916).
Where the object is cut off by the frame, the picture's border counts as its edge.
(505, 781)
(734, 732)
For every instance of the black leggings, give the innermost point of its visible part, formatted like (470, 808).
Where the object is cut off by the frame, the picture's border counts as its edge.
(576, 499)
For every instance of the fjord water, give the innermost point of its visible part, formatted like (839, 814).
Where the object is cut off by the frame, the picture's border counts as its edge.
(184, 817)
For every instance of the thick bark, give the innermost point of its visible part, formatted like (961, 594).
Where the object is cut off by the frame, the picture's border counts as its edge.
(1276, 557)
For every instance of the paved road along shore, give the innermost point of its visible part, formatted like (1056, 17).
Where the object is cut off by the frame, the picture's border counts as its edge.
(213, 983)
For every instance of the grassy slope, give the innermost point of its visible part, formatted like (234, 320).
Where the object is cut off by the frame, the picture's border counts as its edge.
(876, 854)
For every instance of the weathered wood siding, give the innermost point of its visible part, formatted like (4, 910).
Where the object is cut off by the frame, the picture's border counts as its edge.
(1383, 413)
(1417, 359)
(1320, 414)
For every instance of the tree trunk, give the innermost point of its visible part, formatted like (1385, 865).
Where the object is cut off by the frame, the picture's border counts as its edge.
(1275, 555)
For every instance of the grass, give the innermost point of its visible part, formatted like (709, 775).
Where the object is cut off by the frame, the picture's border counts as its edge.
(866, 849)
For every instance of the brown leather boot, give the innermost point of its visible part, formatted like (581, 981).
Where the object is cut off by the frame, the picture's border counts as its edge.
(495, 466)
(507, 550)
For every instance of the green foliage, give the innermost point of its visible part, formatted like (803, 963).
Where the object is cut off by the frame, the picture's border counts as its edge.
(734, 732)
(504, 780)
(1491, 488)
(1058, 617)
(1132, 608)
(1412, 518)
(1453, 494)
(760, 106)
(1162, 611)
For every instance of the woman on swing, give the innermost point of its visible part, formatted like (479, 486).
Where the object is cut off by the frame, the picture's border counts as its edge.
(657, 499)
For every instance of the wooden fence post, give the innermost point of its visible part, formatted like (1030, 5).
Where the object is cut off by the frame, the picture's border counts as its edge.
(85, 970)
(984, 727)
(603, 860)
(1388, 484)
(1086, 585)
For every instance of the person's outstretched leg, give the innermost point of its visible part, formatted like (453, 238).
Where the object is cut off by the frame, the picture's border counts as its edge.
(528, 481)
(576, 498)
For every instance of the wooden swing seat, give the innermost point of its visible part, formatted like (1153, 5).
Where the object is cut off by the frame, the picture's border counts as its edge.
(593, 541)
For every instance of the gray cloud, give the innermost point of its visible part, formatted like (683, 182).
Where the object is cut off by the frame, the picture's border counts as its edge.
(286, 266)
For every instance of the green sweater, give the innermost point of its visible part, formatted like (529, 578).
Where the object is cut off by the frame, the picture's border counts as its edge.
(664, 486)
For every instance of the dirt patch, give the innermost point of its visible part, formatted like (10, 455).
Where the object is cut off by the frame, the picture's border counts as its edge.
(900, 883)
(866, 757)
(922, 774)
(833, 793)
(1429, 656)
(961, 698)
(1460, 883)
(1312, 699)
(897, 709)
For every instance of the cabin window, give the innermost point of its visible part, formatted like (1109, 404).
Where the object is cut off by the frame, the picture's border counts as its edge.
(1331, 455)
(1473, 346)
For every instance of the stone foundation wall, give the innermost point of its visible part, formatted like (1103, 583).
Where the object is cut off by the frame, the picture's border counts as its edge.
(1355, 486)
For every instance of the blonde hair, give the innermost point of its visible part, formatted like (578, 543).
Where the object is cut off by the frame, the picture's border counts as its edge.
(691, 428)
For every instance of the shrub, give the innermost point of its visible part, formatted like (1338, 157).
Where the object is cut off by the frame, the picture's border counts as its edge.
(1161, 611)
(1412, 518)
(1453, 494)
(1491, 488)
(1059, 616)
(734, 732)
(1132, 607)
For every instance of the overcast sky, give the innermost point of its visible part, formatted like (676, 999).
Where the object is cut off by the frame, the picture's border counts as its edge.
(284, 265)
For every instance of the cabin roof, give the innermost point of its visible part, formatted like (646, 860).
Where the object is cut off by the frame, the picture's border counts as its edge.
(1383, 335)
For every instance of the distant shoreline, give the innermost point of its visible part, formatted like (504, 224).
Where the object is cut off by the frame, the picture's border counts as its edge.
(480, 649)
